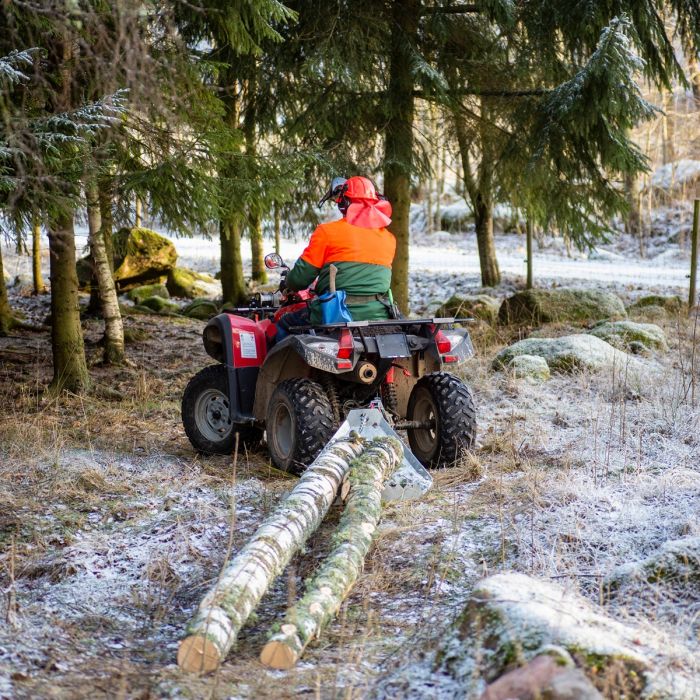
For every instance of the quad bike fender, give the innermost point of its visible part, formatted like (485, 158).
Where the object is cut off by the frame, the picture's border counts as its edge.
(241, 346)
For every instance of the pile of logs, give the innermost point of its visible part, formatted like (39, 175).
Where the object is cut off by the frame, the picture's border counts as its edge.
(353, 467)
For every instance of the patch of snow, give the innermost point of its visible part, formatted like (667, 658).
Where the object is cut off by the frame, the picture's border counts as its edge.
(673, 175)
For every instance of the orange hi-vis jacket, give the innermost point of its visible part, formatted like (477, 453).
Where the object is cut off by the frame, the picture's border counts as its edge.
(363, 257)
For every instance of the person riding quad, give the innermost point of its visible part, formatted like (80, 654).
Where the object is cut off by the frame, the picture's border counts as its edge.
(361, 249)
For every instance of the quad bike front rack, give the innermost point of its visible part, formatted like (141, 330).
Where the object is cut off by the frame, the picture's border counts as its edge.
(411, 480)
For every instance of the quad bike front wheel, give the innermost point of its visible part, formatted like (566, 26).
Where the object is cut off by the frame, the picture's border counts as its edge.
(300, 422)
(445, 404)
(206, 414)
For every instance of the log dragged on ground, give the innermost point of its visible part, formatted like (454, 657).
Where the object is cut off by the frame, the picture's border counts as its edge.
(329, 586)
(242, 583)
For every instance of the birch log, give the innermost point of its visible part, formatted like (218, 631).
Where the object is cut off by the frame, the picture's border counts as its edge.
(330, 585)
(242, 583)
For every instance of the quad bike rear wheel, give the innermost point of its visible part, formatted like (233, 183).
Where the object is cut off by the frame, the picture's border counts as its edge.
(206, 414)
(446, 404)
(300, 422)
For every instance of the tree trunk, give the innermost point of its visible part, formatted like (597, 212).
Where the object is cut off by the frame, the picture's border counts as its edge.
(138, 210)
(39, 286)
(232, 281)
(330, 585)
(634, 215)
(483, 221)
(7, 320)
(398, 143)
(259, 272)
(244, 580)
(114, 353)
(69, 366)
(278, 228)
(105, 195)
(479, 192)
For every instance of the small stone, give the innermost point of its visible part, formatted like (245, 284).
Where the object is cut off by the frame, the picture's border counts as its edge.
(288, 629)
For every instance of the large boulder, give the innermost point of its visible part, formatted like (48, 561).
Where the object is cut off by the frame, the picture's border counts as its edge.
(138, 294)
(140, 256)
(630, 336)
(568, 353)
(536, 306)
(672, 305)
(512, 618)
(191, 285)
(481, 306)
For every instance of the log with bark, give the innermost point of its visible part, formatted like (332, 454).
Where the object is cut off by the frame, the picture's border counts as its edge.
(243, 581)
(330, 585)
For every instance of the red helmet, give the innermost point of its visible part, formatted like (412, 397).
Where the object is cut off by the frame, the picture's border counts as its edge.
(358, 187)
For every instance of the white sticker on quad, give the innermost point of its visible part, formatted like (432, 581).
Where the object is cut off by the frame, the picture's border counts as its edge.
(248, 347)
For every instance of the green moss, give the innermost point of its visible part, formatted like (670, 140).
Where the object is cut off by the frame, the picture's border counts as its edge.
(202, 309)
(481, 306)
(139, 294)
(537, 306)
(672, 304)
(627, 335)
(189, 284)
(160, 305)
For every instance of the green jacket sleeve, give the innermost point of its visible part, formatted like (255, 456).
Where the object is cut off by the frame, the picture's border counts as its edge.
(301, 275)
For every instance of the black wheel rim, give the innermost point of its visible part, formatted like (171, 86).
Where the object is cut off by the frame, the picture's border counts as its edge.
(212, 415)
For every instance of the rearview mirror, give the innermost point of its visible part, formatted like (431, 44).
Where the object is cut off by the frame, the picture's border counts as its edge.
(273, 261)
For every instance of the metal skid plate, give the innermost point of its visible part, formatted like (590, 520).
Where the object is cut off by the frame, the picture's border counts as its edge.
(411, 479)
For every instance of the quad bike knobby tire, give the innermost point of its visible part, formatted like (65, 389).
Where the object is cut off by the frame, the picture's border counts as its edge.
(447, 404)
(206, 416)
(300, 422)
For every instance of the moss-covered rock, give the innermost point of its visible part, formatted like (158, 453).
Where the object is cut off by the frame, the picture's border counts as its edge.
(202, 309)
(568, 353)
(529, 367)
(648, 314)
(536, 306)
(160, 305)
(676, 562)
(481, 306)
(141, 255)
(191, 285)
(672, 304)
(628, 335)
(138, 294)
(512, 618)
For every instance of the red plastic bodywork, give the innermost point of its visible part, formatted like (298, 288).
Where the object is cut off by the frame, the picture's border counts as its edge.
(249, 341)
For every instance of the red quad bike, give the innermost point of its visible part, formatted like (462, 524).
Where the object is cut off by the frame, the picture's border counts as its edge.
(302, 388)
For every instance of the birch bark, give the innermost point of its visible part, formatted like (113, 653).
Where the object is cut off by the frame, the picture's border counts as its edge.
(242, 583)
(114, 328)
(330, 585)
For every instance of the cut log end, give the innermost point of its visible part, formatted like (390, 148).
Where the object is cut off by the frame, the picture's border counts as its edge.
(278, 655)
(198, 655)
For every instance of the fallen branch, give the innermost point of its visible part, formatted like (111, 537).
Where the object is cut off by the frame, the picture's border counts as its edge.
(327, 589)
(242, 583)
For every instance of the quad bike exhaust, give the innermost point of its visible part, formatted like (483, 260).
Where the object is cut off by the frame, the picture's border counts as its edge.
(411, 479)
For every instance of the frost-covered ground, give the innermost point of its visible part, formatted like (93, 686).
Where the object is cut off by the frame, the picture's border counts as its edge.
(111, 527)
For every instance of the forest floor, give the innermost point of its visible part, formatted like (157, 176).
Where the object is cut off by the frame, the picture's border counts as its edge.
(111, 527)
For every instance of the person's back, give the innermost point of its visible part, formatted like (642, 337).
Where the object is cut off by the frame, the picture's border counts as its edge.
(359, 246)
